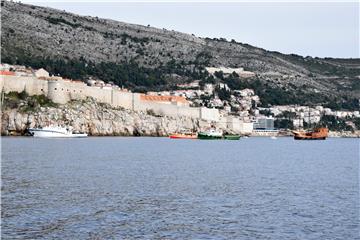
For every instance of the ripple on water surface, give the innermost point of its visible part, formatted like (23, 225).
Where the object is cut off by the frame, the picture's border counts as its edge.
(157, 188)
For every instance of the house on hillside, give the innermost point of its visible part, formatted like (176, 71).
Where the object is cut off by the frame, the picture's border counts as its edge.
(41, 73)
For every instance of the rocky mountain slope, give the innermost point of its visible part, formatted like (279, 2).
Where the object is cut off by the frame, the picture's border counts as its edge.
(133, 55)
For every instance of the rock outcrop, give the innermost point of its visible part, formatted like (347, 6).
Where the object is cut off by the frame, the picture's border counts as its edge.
(99, 119)
(345, 134)
(95, 119)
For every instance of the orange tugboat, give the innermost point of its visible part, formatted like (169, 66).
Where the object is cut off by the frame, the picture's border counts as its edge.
(183, 136)
(317, 134)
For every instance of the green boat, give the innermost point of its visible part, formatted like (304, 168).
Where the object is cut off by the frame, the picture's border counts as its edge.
(231, 137)
(210, 134)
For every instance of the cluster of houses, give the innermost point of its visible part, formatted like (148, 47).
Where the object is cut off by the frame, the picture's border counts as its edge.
(244, 103)
(309, 115)
(241, 104)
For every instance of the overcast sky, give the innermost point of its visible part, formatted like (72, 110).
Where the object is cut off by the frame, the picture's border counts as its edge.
(323, 29)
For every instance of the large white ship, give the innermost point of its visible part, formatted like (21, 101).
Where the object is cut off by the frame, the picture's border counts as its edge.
(55, 132)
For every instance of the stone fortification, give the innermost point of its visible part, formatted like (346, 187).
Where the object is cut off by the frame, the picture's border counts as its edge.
(62, 91)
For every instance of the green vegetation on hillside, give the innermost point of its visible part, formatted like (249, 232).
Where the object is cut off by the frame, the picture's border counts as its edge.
(283, 124)
(26, 103)
(141, 79)
(270, 95)
(317, 65)
(61, 20)
(345, 103)
(285, 121)
(128, 74)
(336, 124)
(222, 93)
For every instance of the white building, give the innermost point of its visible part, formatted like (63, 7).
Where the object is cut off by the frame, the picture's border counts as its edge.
(226, 70)
(246, 127)
(41, 73)
(264, 123)
(209, 88)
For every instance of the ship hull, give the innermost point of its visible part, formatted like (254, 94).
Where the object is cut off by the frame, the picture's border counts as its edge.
(318, 134)
(231, 137)
(309, 138)
(54, 134)
(205, 136)
(182, 136)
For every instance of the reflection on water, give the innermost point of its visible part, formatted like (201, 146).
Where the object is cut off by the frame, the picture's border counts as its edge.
(157, 188)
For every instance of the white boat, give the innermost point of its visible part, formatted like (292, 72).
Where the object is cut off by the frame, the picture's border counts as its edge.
(55, 132)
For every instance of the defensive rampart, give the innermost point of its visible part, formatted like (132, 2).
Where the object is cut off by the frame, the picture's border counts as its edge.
(62, 91)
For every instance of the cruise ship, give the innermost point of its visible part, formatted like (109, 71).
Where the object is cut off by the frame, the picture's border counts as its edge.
(55, 132)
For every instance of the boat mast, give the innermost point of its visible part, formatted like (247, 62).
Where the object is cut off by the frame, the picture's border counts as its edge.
(309, 119)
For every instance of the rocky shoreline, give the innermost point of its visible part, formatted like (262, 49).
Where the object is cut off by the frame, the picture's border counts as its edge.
(98, 119)
(95, 119)
(344, 134)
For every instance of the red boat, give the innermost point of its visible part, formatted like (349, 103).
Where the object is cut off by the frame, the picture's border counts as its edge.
(183, 136)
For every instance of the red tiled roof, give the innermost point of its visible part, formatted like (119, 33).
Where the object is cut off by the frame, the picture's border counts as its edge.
(144, 97)
(8, 73)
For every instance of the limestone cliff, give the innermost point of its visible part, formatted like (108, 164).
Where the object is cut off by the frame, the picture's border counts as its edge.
(95, 119)
(98, 119)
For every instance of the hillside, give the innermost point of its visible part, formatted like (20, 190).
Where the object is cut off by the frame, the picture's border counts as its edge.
(144, 58)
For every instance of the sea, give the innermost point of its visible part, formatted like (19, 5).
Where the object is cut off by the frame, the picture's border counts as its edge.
(160, 188)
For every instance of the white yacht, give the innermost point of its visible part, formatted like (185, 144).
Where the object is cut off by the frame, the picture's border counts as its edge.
(55, 132)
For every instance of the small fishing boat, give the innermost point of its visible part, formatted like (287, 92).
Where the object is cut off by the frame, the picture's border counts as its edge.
(316, 134)
(55, 132)
(231, 137)
(183, 136)
(210, 134)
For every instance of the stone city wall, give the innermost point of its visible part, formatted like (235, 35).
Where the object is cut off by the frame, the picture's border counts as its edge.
(62, 91)
(167, 109)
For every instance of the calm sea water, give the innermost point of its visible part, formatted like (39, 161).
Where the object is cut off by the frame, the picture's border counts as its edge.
(158, 188)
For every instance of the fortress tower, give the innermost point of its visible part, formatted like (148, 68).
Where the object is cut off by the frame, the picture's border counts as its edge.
(57, 92)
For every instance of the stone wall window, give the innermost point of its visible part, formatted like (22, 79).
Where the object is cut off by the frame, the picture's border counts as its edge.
(55, 88)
